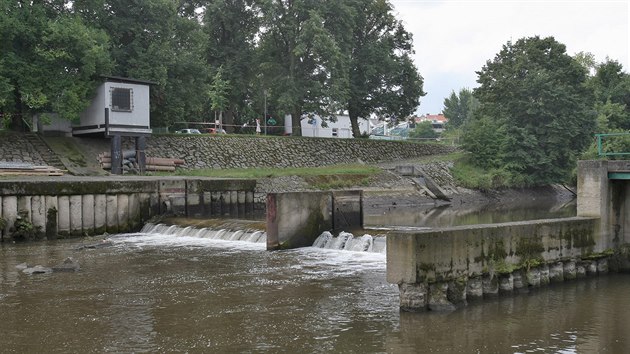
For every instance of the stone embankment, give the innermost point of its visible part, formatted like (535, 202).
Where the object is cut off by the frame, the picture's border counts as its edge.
(234, 151)
(17, 148)
(222, 152)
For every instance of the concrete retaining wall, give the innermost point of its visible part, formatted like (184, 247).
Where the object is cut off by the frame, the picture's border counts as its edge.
(442, 269)
(80, 206)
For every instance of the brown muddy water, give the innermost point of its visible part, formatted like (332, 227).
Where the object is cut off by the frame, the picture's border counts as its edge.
(167, 293)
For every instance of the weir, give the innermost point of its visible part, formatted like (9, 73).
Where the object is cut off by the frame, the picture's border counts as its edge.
(435, 269)
(75, 206)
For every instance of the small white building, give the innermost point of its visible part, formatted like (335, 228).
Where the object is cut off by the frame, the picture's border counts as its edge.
(340, 129)
(120, 107)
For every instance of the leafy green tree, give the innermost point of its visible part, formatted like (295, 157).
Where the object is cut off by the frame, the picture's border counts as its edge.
(612, 88)
(218, 93)
(301, 63)
(586, 59)
(423, 130)
(483, 139)
(383, 79)
(50, 59)
(459, 108)
(160, 41)
(231, 27)
(536, 95)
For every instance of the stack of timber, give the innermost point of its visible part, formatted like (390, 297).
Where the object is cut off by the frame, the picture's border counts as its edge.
(26, 169)
(130, 164)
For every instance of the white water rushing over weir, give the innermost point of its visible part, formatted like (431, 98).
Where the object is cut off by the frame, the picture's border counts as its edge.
(255, 236)
(345, 241)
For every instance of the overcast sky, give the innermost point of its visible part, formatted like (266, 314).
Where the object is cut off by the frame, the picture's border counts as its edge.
(453, 39)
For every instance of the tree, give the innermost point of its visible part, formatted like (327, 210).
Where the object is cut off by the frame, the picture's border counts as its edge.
(231, 28)
(586, 59)
(612, 88)
(382, 77)
(219, 91)
(50, 59)
(459, 108)
(300, 60)
(536, 94)
(482, 138)
(161, 41)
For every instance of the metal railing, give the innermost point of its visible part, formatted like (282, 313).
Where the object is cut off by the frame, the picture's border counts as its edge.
(600, 144)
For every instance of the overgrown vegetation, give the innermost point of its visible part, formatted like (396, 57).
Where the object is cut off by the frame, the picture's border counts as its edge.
(65, 147)
(24, 229)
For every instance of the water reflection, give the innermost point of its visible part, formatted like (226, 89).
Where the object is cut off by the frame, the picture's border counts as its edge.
(577, 317)
(428, 215)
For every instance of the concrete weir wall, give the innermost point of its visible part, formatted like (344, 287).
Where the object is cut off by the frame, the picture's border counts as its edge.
(445, 268)
(296, 219)
(77, 206)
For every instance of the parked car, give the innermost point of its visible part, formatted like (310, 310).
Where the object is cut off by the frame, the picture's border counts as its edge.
(188, 131)
(214, 131)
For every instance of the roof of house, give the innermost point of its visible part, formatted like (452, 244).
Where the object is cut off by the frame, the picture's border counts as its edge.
(432, 118)
(127, 80)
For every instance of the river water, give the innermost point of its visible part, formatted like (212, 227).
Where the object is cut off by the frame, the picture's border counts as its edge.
(161, 293)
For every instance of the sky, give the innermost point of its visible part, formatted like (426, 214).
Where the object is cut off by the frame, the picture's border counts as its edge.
(455, 38)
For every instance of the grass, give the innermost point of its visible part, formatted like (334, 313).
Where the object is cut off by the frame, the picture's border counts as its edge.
(324, 178)
(473, 177)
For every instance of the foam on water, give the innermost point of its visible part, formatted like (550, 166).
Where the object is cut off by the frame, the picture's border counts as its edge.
(174, 236)
(344, 253)
(346, 241)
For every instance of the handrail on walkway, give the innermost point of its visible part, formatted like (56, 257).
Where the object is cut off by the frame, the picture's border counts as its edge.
(600, 139)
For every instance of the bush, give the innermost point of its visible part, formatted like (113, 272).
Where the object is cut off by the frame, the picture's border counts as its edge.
(423, 130)
(483, 138)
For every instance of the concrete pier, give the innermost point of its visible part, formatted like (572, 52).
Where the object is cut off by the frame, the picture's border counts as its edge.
(486, 261)
(499, 259)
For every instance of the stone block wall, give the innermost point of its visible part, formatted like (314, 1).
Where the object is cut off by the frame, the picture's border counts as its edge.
(14, 147)
(245, 151)
(234, 151)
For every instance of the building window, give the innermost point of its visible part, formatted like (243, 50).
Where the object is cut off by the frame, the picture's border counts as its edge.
(122, 99)
(335, 131)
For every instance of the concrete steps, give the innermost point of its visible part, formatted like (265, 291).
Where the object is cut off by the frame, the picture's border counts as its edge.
(47, 154)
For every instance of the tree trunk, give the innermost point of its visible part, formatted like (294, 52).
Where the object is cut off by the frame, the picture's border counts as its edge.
(354, 124)
(228, 119)
(296, 121)
(16, 118)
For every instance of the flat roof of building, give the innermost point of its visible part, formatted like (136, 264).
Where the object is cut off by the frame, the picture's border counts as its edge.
(127, 80)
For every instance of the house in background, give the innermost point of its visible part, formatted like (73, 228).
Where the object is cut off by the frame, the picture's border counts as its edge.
(126, 102)
(120, 107)
(312, 126)
(438, 121)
